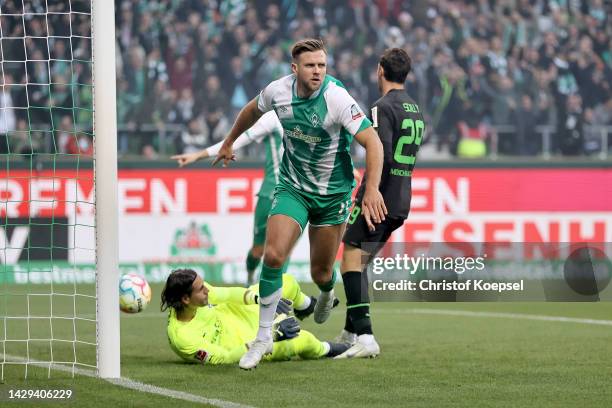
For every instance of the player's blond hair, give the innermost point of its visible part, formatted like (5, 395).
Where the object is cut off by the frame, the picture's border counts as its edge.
(307, 45)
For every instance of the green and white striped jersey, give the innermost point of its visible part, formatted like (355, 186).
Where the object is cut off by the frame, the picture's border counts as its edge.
(318, 132)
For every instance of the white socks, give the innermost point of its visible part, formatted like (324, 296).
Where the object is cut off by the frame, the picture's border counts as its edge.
(267, 311)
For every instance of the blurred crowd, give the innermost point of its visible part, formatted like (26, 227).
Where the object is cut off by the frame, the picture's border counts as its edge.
(46, 91)
(508, 68)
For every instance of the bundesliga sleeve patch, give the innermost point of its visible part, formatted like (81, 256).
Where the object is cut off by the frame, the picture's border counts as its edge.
(201, 355)
(356, 113)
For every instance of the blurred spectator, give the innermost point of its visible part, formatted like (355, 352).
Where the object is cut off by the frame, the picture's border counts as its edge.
(156, 67)
(63, 135)
(8, 118)
(570, 136)
(135, 80)
(193, 138)
(21, 141)
(181, 74)
(472, 135)
(216, 125)
(148, 152)
(504, 103)
(161, 104)
(525, 118)
(448, 102)
(80, 144)
(214, 95)
(237, 85)
(185, 107)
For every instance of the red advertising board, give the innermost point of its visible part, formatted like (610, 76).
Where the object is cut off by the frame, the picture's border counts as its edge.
(447, 204)
(232, 191)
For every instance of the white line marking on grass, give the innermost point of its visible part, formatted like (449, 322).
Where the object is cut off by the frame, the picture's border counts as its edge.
(134, 385)
(464, 313)
(152, 389)
(467, 313)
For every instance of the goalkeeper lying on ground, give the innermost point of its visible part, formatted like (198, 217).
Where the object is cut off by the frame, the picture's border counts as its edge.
(212, 325)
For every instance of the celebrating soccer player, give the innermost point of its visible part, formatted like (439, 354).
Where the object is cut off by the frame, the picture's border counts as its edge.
(267, 130)
(319, 120)
(399, 122)
(212, 325)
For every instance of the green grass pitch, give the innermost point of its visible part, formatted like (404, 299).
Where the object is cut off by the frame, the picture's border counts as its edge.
(427, 360)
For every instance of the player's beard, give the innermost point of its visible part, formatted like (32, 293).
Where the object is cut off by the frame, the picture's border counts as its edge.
(309, 87)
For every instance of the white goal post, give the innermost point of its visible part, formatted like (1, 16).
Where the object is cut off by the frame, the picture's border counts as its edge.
(105, 176)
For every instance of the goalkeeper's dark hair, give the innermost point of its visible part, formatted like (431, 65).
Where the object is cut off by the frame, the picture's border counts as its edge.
(307, 45)
(396, 65)
(178, 284)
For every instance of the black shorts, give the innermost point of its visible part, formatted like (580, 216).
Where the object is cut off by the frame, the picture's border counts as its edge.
(357, 232)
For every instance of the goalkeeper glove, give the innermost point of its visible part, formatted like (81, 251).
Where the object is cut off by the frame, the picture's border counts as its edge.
(285, 306)
(250, 297)
(285, 328)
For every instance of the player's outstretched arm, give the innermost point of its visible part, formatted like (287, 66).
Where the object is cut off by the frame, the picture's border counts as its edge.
(188, 158)
(256, 133)
(372, 205)
(245, 119)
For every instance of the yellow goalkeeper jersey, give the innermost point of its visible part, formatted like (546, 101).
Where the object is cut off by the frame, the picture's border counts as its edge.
(218, 333)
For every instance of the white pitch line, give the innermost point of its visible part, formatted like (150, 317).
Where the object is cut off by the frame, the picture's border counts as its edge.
(467, 313)
(152, 389)
(134, 385)
(464, 313)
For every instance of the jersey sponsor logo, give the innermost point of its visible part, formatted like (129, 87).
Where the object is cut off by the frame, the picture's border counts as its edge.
(315, 120)
(201, 355)
(356, 113)
(400, 172)
(297, 133)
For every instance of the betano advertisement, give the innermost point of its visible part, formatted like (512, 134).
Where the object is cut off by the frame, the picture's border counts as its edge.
(203, 217)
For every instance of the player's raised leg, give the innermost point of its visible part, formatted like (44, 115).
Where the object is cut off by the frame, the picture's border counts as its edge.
(282, 233)
(324, 243)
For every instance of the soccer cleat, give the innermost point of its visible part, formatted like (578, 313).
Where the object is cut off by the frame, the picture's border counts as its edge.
(346, 337)
(323, 307)
(257, 350)
(336, 349)
(366, 346)
(302, 314)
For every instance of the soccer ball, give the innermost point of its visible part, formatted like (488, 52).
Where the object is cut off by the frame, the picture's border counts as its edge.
(134, 293)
